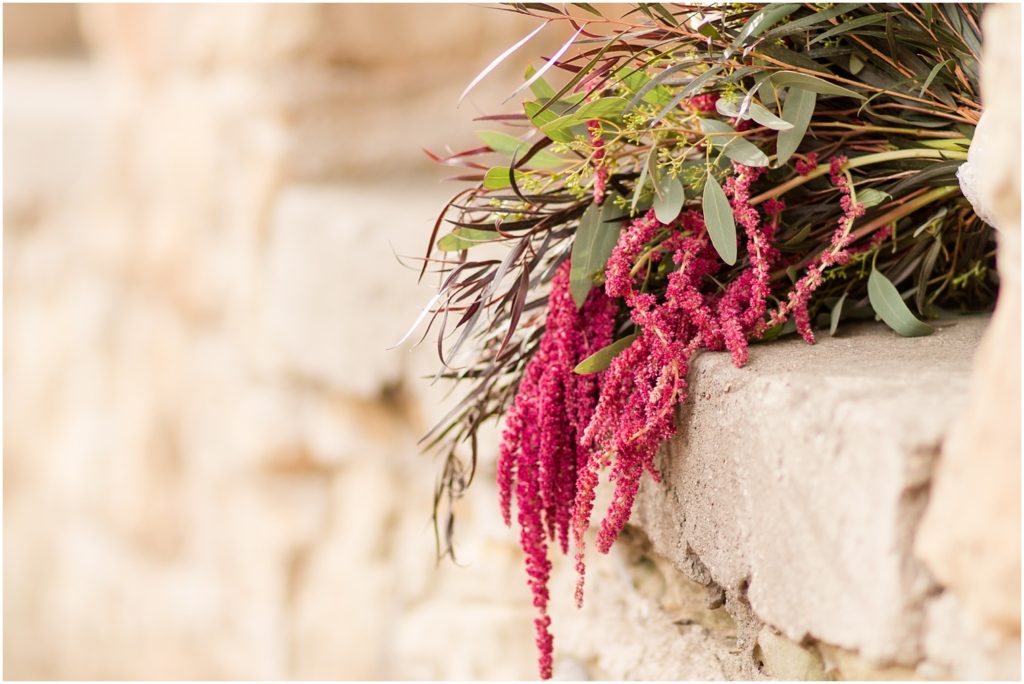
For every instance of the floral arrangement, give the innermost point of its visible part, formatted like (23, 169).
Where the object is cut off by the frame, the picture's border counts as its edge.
(688, 178)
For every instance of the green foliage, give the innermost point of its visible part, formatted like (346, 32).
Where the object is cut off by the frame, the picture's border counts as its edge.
(719, 220)
(602, 358)
(890, 307)
(595, 238)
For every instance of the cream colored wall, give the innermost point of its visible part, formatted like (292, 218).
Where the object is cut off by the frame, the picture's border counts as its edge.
(211, 466)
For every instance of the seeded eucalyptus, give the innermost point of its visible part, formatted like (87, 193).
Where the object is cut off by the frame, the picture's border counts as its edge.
(685, 178)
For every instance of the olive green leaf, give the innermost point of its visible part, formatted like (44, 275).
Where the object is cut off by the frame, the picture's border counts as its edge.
(794, 79)
(764, 117)
(497, 178)
(835, 315)
(602, 358)
(595, 240)
(870, 197)
(797, 110)
(541, 88)
(886, 301)
(733, 146)
(464, 238)
(669, 196)
(761, 21)
(719, 220)
(509, 145)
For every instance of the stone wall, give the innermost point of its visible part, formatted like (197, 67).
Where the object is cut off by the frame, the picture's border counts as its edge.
(211, 467)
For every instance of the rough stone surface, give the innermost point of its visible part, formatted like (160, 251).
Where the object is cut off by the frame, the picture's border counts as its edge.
(798, 480)
(970, 537)
(195, 484)
(785, 659)
(643, 619)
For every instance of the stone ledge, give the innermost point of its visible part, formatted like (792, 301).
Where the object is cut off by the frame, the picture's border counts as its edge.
(799, 481)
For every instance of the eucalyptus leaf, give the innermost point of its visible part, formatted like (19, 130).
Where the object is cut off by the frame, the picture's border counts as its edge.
(849, 26)
(543, 119)
(797, 110)
(870, 197)
(818, 17)
(602, 358)
(669, 201)
(799, 237)
(733, 146)
(924, 273)
(794, 79)
(761, 21)
(602, 108)
(764, 117)
(794, 59)
(954, 144)
(729, 108)
(541, 88)
(509, 145)
(594, 242)
(688, 90)
(639, 186)
(656, 81)
(464, 238)
(886, 301)
(708, 29)
(835, 315)
(935, 72)
(497, 178)
(719, 220)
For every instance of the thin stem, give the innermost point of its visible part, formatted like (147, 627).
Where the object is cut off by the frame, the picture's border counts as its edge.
(866, 160)
(908, 208)
(916, 132)
(888, 217)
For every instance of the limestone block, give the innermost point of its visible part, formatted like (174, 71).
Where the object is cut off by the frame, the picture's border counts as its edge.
(335, 298)
(959, 645)
(799, 479)
(41, 30)
(48, 155)
(785, 659)
(623, 633)
(354, 106)
(970, 536)
(267, 36)
(842, 664)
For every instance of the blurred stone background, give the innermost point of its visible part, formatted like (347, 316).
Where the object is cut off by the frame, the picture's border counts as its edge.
(211, 467)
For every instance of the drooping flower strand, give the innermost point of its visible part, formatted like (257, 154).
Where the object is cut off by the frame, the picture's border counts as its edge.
(595, 132)
(564, 429)
(647, 381)
(836, 254)
(541, 442)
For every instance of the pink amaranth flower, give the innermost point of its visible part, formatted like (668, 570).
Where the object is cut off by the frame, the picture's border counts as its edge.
(541, 443)
(805, 167)
(742, 124)
(564, 431)
(595, 130)
(701, 103)
(774, 207)
(837, 254)
(646, 382)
